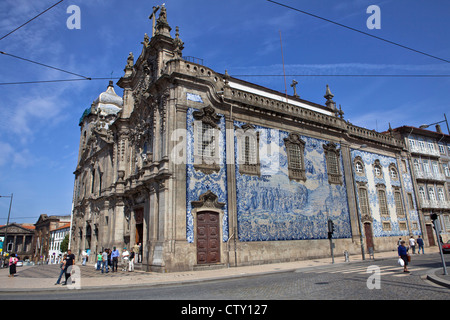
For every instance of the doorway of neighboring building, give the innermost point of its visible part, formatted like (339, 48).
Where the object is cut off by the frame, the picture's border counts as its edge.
(139, 218)
(208, 237)
(430, 235)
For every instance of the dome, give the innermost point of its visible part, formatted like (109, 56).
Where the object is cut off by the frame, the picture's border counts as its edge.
(108, 102)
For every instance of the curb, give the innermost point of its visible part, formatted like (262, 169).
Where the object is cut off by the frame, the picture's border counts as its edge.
(185, 281)
(436, 279)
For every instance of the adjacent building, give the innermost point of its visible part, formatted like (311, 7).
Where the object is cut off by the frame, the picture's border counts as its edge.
(43, 228)
(430, 162)
(208, 170)
(21, 239)
(57, 236)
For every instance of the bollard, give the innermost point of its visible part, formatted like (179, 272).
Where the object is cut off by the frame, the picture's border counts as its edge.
(347, 258)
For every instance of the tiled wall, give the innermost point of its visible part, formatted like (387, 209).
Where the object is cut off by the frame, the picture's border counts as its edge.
(272, 207)
(371, 181)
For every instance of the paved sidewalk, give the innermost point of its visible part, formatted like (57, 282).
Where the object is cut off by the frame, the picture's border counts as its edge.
(141, 278)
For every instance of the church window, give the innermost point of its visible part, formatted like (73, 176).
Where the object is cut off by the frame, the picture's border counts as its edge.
(382, 202)
(363, 201)
(206, 140)
(248, 150)
(398, 203)
(296, 164)
(332, 155)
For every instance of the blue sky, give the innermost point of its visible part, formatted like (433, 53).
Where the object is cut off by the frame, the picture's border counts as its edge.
(39, 132)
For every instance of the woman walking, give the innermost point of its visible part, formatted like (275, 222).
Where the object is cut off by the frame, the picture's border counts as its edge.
(12, 265)
(403, 254)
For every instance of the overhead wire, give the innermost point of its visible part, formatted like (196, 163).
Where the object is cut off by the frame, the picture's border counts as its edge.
(260, 75)
(44, 65)
(251, 75)
(359, 31)
(31, 20)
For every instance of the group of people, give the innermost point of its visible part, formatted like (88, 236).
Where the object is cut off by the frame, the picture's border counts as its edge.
(403, 250)
(110, 258)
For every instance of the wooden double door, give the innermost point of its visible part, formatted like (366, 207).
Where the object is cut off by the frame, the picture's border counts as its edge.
(208, 237)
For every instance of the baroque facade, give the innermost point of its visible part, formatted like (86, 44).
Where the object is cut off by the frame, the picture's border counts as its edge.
(204, 169)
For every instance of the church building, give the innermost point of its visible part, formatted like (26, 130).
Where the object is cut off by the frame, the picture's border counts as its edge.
(206, 170)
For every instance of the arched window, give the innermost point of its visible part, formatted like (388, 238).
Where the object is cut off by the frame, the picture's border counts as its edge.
(359, 168)
(422, 194)
(431, 194)
(393, 173)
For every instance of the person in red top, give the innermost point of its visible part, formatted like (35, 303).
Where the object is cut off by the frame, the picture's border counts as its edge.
(12, 265)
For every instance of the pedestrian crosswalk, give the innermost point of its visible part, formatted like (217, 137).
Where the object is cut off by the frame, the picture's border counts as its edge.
(389, 270)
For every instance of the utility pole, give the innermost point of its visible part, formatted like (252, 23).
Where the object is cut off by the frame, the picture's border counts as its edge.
(437, 229)
(330, 237)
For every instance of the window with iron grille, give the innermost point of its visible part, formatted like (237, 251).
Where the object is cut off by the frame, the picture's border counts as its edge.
(207, 137)
(382, 201)
(248, 150)
(206, 140)
(332, 155)
(295, 147)
(398, 204)
(363, 201)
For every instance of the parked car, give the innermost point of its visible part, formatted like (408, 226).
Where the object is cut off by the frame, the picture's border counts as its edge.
(446, 247)
(19, 263)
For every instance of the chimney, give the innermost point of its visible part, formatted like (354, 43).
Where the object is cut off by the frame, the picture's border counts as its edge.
(438, 129)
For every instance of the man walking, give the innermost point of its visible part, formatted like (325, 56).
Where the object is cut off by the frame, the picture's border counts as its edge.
(70, 261)
(420, 243)
(115, 259)
(105, 261)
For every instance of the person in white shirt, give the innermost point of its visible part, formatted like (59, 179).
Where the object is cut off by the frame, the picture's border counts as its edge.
(125, 259)
(412, 244)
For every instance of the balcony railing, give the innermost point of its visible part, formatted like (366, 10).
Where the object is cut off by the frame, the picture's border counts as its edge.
(424, 150)
(435, 204)
(429, 175)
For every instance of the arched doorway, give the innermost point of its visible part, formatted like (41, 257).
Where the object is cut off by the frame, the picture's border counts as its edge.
(208, 237)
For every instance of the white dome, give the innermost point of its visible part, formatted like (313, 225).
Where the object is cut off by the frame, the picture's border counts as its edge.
(108, 102)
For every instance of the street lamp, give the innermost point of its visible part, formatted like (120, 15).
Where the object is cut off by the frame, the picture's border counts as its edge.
(7, 222)
(424, 126)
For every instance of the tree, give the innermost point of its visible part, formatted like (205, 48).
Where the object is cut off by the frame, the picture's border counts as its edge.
(65, 244)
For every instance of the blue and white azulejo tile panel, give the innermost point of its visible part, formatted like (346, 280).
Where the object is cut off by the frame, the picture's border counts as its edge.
(198, 182)
(371, 181)
(271, 207)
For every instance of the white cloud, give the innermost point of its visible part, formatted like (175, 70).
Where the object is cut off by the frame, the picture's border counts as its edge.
(9, 156)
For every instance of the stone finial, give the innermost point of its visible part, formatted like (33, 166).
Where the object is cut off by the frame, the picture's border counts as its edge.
(294, 85)
(328, 95)
(179, 45)
(162, 26)
(330, 103)
(226, 78)
(146, 41)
